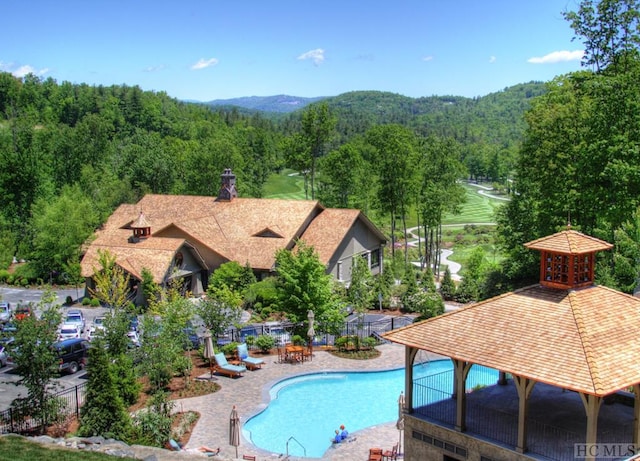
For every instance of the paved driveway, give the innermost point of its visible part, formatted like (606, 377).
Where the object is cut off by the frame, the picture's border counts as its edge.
(9, 390)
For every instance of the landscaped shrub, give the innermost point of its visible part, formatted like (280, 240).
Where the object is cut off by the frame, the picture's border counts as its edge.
(86, 301)
(4, 275)
(24, 274)
(229, 349)
(95, 302)
(265, 343)
(298, 340)
(368, 342)
(68, 301)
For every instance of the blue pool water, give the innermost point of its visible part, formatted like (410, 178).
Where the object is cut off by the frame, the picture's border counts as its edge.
(311, 407)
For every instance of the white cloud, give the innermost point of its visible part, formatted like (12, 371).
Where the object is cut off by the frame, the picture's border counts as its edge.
(492, 59)
(154, 68)
(427, 58)
(21, 71)
(204, 63)
(317, 56)
(557, 56)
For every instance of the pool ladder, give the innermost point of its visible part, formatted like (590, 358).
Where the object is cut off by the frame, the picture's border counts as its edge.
(296, 440)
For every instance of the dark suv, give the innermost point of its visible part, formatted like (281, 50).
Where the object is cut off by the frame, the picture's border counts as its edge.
(72, 353)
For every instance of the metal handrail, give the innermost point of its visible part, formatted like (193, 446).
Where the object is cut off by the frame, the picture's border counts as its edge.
(296, 440)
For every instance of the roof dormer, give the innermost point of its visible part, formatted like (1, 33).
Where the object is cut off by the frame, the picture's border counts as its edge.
(567, 258)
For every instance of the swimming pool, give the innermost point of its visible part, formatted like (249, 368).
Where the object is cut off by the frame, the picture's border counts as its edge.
(305, 411)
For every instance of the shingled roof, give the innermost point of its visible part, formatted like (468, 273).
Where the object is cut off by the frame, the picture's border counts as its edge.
(584, 339)
(246, 230)
(569, 242)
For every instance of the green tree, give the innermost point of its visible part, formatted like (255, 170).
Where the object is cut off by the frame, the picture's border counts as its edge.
(233, 276)
(111, 282)
(395, 160)
(35, 359)
(218, 315)
(439, 193)
(60, 227)
(104, 413)
(609, 29)
(304, 285)
(470, 288)
(318, 124)
(626, 256)
(361, 288)
(447, 286)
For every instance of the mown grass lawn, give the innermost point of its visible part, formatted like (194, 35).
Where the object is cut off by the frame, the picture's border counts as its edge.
(458, 234)
(286, 185)
(15, 448)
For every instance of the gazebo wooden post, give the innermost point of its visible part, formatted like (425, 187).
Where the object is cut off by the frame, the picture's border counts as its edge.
(636, 415)
(461, 370)
(592, 408)
(409, 356)
(524, 386)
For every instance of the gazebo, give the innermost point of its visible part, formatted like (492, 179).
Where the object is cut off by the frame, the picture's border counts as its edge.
(571, 340)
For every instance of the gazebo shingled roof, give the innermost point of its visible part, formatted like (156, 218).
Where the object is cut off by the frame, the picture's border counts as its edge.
(584, 339)
(569, 242)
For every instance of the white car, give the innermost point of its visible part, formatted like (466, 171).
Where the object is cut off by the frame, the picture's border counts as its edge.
(68, 331)
(5, 312)
(134, 338)
(75, 316)
(96, 325)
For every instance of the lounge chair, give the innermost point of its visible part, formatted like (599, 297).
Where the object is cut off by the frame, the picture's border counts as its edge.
(252, 363)
(225, 368)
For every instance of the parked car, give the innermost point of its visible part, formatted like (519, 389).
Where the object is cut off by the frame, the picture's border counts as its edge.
(68, 331)
(72, 354)
(134, 323)
(192, 340)
(5, 312)
(8, 329)
(76, 316)
(22, 311)
(133, 338)
(278, 331)
(4, 356)
(96, 325)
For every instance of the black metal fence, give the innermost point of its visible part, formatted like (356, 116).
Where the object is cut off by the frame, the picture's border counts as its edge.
(283, 332)
(433, 400)
(66, 403)
(69, 401)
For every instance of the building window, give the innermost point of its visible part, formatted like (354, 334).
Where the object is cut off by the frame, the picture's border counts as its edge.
(375, 258)
(339, 270)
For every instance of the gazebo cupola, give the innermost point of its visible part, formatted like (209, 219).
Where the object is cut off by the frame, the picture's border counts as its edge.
(567, 258)
(141, 228)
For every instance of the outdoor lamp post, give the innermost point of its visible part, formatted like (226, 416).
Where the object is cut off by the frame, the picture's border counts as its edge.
(311, 332)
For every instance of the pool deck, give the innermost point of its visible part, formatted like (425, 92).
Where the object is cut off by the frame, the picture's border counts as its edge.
(249, 394)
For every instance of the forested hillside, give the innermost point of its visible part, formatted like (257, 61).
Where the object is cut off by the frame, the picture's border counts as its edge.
(70, 153)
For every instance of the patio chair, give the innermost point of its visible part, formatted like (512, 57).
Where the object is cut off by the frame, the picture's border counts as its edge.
(223, 367)
(393, 454)
(252, 363)
(375, 454)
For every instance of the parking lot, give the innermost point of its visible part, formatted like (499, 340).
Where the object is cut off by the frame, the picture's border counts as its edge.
(8, 388)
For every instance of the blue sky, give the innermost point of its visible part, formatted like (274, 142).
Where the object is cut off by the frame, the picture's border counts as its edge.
(205, 50)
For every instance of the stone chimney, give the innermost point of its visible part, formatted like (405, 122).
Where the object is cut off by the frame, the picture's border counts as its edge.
(228, 187)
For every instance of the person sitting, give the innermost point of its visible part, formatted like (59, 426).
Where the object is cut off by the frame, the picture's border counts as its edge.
(344, 434)
(336, 438)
